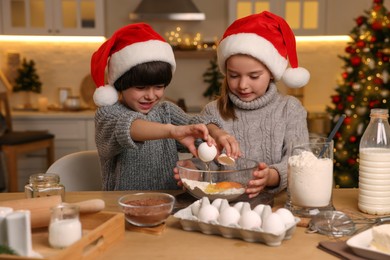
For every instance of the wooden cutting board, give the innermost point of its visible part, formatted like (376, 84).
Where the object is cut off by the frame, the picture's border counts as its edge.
(87, 88)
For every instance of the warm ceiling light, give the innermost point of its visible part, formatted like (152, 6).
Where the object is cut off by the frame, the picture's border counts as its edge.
(331, 38)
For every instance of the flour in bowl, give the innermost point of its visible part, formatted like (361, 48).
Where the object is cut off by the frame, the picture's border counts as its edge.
(310, 180)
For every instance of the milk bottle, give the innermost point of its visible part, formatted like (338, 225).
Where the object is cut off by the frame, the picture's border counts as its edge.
(374, 165)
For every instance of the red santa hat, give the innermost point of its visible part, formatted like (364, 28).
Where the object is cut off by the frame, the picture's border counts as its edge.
(131, 45)
(268, 38)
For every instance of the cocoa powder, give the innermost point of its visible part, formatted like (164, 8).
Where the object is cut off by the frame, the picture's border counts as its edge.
(152, 214)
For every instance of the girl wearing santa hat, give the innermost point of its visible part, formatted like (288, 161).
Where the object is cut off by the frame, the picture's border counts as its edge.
(138, 134)
(253, 54)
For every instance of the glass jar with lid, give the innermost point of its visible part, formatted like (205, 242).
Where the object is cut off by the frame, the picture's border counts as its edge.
(44, 184)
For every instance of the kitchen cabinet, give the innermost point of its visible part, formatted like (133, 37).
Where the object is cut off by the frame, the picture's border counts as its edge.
(74, 131)
(53, 17)
(306, 17)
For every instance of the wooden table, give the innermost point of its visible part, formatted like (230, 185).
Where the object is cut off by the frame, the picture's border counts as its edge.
(175, 243)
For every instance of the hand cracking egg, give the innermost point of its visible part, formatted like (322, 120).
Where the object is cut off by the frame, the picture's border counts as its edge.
(206, 153)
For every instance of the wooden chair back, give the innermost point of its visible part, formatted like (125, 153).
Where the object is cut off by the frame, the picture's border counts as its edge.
(5, 110)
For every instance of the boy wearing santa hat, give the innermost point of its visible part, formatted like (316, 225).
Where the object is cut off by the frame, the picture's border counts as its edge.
(137, 134)
(254, 53)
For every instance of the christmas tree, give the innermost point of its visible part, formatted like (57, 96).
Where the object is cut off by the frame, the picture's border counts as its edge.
(27, 78)
(213, 77)
(364, 85)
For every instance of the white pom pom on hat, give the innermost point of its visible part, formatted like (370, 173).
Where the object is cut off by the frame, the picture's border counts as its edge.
(268, 38)
(129, 46)
(105, 96)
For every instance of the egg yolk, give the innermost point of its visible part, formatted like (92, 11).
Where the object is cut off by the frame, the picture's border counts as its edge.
(222, 186)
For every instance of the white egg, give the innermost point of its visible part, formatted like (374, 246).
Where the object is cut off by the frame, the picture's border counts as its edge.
(238, 205)
(206, 153)
(208, 214)
(259, 209)
(217, 203)
(229, 217)
(245, 207)
(224, 204)
(195, 208)
(273, 224)
(267, 210)
(286, 215)
(204, 201)
(250, 220)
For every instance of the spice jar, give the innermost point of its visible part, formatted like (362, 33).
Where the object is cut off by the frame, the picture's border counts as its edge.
(374, 165)
(44, 184)
(65, 226)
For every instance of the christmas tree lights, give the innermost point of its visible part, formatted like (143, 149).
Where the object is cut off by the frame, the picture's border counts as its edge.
(364, 85)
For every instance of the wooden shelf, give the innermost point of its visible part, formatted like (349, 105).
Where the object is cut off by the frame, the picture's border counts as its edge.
(195, 54)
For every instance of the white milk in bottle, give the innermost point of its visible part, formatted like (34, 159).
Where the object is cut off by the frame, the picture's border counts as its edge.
(374, 165)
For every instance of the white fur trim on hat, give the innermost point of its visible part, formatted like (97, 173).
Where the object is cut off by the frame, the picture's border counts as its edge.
(296, 77)
(137, 53)
(105, 96)
(255, 46)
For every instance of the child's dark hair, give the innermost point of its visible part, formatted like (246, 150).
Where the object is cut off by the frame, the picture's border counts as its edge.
(146, 74)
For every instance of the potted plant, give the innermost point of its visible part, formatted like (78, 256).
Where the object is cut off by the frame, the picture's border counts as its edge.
(27, 80)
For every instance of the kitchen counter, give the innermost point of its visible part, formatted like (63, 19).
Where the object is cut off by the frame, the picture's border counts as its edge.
(52, 114)
(175, 243)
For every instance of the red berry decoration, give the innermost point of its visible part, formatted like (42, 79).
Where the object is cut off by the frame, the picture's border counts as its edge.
(360, 44)
(373, 39)
(378, 81)
(347, 120)
(344, 75)
(352, 139)
(340, 107)
(355, 61)
(350, 98)
(377, 25)
(360, 20)
(338, 135)
(336, 99)
(351, 161)
(350, 49)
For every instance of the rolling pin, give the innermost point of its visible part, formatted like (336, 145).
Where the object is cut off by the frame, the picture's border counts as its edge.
(40, 207)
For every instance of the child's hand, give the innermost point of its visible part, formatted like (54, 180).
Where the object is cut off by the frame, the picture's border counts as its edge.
(263, 177)
(177, 177)
(225, 141)
(229, 143)
(187, 135)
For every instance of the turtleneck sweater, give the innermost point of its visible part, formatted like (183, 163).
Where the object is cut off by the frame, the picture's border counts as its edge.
(130, 165)
(266, 128)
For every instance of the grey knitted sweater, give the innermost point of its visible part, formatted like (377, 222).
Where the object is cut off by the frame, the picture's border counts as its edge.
(265, 127)
(130, 165)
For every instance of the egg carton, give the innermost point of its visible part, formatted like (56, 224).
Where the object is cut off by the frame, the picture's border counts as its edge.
(190, 222)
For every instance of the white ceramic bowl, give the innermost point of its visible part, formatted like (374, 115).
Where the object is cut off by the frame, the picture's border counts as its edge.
(216, 180)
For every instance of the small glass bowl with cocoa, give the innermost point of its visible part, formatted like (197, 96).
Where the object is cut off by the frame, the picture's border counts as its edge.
(147, 209)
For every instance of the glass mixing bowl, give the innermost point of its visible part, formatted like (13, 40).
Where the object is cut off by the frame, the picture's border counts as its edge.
(215, 180)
